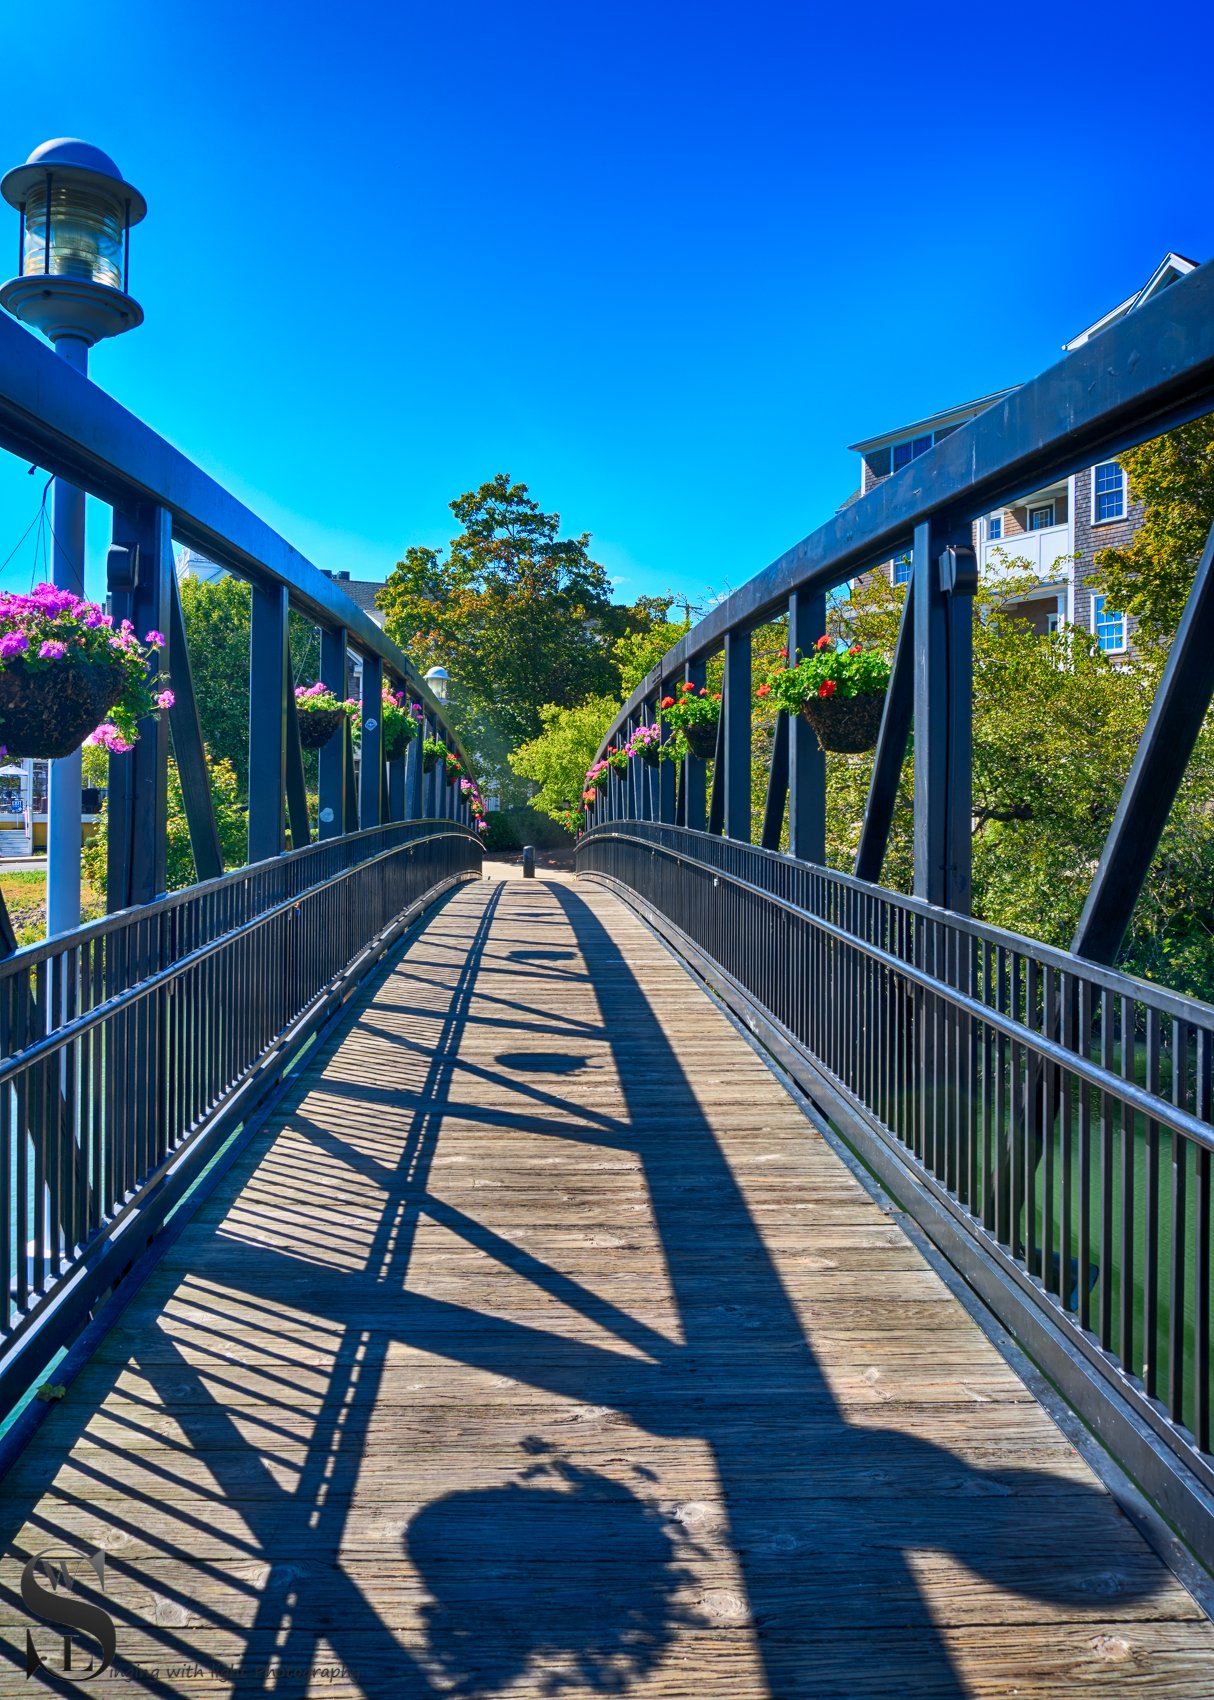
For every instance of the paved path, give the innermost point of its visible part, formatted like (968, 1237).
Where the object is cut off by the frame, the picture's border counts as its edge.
(540, 1346)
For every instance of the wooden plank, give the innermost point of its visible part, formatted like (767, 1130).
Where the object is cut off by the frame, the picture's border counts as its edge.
(539, 1340)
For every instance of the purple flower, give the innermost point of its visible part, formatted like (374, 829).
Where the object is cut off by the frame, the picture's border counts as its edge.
(13, 643)
(109, 738)
(155, 639)
(166, 699)
(52, 649)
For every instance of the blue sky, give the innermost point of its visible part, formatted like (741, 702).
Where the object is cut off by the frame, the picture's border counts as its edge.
(662, 261)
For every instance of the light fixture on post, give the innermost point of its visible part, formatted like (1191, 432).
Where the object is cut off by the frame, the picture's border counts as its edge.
(439, 681)
(76, 216)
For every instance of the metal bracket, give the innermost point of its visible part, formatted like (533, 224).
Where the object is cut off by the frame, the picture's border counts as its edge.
(122, 566)
(959, 570)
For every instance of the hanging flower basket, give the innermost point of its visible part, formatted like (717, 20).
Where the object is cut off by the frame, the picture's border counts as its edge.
(840, 692)
(701, 741)
(845, 725)
(319, 713)
(433, 751)
(696, 715)
(68, 673)
(317, 725)
(647, 745)
(48, 712)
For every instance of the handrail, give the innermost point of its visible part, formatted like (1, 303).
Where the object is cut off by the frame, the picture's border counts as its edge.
(51, 414)
(1152, 370)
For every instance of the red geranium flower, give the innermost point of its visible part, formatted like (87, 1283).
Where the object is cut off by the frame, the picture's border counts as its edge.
(827, 688)
(703, 690)
(667, 702)
(763, 691)
(716, 696)
(687, 685)
(822, 642)
(854, 650)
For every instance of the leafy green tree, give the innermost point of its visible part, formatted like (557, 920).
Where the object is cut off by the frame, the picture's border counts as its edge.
(557, 759)
(518, 615)
(1150, 577)
(642, 646)
(231, 818)
(217, 621)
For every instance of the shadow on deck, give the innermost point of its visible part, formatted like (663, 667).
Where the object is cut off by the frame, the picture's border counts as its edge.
(539, 1345)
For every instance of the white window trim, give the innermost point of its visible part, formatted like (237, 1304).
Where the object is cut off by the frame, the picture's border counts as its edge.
(1120, 518)
(1099, 596)
(1039, 508)
(986, 524)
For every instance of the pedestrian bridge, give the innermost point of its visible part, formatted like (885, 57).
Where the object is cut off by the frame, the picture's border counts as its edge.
(705, 1273)
(540, 1335)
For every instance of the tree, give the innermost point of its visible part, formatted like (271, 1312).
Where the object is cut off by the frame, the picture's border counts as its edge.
(218, 618)
(217, 621)
(518, 616)
(231, 818)
(557, 759)
(1150, 577)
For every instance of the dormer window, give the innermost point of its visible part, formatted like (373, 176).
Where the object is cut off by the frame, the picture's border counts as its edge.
(910, 450)
(994, 528)
(1041, 518)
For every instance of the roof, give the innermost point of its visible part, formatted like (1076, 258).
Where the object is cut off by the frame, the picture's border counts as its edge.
(362, 592)
(933, 422)
(1171, 267)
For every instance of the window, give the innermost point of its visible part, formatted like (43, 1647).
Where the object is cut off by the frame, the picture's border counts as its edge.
(1109, 628)
(902, 567)
(904, 453)
(1108, 492)
(1042, 517)
(994, 528)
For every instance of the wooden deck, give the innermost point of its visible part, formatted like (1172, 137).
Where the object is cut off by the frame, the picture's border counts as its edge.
(540, 1346)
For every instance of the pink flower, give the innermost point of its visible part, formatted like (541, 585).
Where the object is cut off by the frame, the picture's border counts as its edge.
(109, 738)
(51, 650)
(156, 639)
(166, 699)
(13, 643)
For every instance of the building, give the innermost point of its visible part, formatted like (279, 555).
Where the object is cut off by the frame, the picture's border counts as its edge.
(1057, 530)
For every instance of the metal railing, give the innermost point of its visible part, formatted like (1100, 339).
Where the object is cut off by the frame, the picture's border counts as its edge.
(1060, 1110)
(1046, 1119)
(141, 1040)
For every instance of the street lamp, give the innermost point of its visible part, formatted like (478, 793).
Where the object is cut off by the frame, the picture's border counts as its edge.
(439, 681)
(71, 284)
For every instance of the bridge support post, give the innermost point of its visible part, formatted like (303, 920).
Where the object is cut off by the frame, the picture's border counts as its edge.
(667, 772)
(694, 783)
(1155, 775)
(943, 709)
(139, 573)
(370, 778)
(188, 749)
(891, 749)
(736, 708)
(297, 790)
(268, 674)
(334, 672)
(806, 763)
(431, 779)
(414, 775)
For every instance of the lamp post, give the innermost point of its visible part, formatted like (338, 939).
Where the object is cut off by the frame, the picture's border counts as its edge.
(71, 284)
(439, 681)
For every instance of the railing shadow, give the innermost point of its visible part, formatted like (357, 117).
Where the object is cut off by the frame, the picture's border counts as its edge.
(559, 1570)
